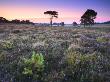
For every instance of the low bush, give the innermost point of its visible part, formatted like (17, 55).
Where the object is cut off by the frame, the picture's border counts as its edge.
(102, 39)
(84, 67)
(30, 69)
(7, 45)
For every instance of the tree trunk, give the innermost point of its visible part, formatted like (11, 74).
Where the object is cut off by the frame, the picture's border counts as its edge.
(84, 25)
(51, 22)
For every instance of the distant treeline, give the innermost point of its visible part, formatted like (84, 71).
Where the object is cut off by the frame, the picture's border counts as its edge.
(107, 22)
(15, 21)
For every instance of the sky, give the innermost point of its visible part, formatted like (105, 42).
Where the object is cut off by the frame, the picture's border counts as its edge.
(68, 10)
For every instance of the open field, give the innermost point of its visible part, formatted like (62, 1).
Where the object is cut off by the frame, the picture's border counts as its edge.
(70, 54)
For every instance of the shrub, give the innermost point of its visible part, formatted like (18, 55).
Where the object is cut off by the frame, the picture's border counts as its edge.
(31, 69)
(7, 45)
(81, 67)
(102, 39)
(2, 57)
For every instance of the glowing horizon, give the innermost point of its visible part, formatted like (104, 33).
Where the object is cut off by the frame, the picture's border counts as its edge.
(69, 11)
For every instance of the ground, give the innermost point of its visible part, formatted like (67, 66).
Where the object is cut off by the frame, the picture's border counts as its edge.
(58, 45)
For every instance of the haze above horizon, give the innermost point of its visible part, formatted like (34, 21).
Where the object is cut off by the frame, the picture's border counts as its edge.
(69, 10)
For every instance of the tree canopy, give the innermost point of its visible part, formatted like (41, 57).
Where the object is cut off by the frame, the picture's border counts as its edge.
(52, 14)
(88, 17)
(15, 21)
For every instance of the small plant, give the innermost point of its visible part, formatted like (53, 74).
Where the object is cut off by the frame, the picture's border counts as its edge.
(74, 57)
(2, 57)
(36, 62)
(102, 39)
(7, 45)
(80, 66)
(31, 68)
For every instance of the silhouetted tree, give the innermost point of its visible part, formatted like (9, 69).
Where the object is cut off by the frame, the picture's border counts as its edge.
(27, 22)
(52, 14)
(107, 22)
(3, 20)
(88, 17)
(23, 21)
(75, 24)
(62, 23)
(16, 21)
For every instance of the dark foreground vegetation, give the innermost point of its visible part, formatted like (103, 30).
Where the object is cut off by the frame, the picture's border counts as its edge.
(54, 54)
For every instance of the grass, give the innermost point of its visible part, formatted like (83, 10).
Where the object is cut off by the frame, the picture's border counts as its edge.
(58, 46)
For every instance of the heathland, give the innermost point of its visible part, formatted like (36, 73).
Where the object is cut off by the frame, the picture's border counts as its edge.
(29, 53)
